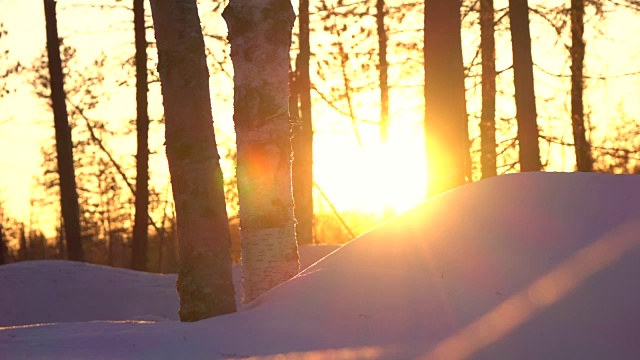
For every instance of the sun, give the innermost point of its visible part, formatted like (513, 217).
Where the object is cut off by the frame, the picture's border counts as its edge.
(374, 177)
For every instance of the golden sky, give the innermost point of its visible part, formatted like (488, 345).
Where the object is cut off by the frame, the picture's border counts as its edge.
(350, 175)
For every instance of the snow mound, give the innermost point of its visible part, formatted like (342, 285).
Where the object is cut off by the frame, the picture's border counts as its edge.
(526, 266)
(51, 291)
(55, 291)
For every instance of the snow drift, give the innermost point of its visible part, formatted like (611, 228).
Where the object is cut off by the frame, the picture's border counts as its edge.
(54, 291)
(526, 266)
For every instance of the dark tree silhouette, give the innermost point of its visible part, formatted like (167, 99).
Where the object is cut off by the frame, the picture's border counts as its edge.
(488, 117)
(141, 222)
(204, 284)
(383, 69)
(3, 250)
(383, 76)
(445, 105)
(584, 160)
(524, 86)
(302, 141)
(64, 146)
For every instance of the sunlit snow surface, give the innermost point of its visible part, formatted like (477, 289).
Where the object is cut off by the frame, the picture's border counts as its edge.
(527, 266)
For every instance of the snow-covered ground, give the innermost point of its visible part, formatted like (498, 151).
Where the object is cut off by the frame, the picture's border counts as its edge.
(53, 291)
(526, 266)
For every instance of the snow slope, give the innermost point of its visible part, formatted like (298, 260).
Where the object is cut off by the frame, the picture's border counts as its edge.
(526, 266)
(54, 291)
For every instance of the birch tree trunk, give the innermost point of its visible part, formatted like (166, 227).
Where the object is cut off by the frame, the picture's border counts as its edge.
(488, 117)
(260, 37)
(302, 169)
(446, 135)
(141, 220)
(64, 145)
(523, 82)
(584, 160)
(204, 281)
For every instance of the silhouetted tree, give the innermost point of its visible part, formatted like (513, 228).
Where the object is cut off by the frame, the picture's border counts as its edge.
(584, 160)
(96, 171)
(383, 68)
(302, 141)
(141, 220)
(22, 241)
(488, 117)
(64, 145)
(444, 91)
(3, 247)
(260, 37)
(143, 76)
(383, 76)
(204, 280)
(524, 86)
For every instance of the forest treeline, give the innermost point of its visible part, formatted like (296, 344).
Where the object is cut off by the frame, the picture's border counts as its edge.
(466, 71)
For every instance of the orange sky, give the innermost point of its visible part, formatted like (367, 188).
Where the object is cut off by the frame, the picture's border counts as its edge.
(352, 177)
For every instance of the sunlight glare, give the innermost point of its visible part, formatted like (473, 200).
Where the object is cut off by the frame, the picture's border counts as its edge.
(368, 352)
(367, 180)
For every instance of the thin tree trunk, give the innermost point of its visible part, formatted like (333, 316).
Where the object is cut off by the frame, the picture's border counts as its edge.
(141, 222)
(173, 241)
(446, 120)
(302, 141)
(61, 248)
(24, 248)
(383, 67)
(260, 37)
(204, 284)
(584, 160)
(160, 250)
(161, 232)
(3, 248)
(64, 145)
(524, 86)
(383, 70)
(109, 232)
(468, 163)
(344, 59)
(488, 117)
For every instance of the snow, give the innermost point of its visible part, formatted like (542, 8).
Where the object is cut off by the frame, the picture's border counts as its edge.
(525, 266)
(54, 291)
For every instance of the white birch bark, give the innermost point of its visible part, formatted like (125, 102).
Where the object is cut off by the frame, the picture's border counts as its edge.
(260, 37)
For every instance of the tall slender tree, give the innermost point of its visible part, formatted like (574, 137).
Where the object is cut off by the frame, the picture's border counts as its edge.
(22, 241)
(3, 91)
(64, 145)
(383, 75)
(3, 260)
(383, 70)
(488, 117)
(302, 141)
(445, 105)
(523, 80)
(141, 222)
(584, 160)
(260, 37)
(204, 284)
